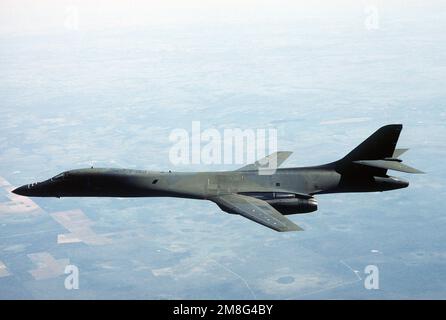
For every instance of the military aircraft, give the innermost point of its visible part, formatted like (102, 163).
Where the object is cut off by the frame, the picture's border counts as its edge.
(248, 191)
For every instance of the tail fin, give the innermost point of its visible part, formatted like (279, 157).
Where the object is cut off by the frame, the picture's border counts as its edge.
(379, 145)
(377, 154)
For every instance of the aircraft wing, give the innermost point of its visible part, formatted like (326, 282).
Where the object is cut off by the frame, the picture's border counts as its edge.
(273, 161)
(256, 210)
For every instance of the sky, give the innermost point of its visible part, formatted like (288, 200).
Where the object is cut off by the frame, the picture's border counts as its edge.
(104, 83)
(51, 16)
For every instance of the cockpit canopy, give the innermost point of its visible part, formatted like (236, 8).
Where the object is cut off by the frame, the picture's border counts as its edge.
(60, 176)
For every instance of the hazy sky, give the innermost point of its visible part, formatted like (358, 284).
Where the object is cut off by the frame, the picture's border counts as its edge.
(104, 83)
(27, 16)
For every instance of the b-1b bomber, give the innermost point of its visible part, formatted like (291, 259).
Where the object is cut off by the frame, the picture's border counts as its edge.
(251, 191)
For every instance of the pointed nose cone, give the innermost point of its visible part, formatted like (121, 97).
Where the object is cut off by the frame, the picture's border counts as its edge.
(37, 189)
(22, 191)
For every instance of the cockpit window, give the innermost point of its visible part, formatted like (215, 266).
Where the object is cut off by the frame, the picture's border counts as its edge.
(59, 177)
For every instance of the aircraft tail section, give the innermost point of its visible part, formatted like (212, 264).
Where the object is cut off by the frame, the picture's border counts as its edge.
(379, 145)
(377, 154)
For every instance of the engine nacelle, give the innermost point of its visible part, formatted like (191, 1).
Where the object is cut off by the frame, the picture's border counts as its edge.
(294, 205)
(286, 203)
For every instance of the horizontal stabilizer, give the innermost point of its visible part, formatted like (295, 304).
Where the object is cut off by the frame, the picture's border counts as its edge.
(273, 161)
(389, 165)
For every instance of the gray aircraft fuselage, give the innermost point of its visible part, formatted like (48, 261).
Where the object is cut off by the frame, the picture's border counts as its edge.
(261, 196)
(109, 182)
